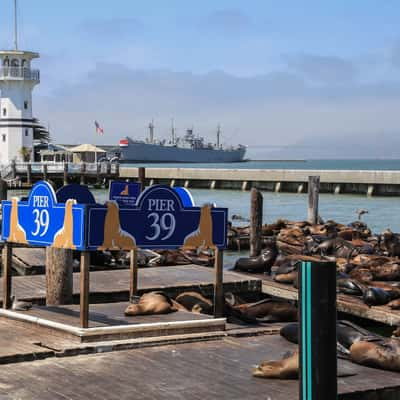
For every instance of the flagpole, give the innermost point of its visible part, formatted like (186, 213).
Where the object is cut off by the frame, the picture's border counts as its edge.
(15, 25)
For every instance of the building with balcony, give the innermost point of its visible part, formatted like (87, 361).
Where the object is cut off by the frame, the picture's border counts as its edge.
(17, 125)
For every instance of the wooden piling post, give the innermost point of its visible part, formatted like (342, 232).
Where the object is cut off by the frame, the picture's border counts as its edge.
(44, 170)
(83, 173)
(256, 217)
(3, 189)
(7, 260)
(313, 198)
(13, 169)
(59, 278)
(29, 174)
(317, 338)
(133, 273)
(142, 178)
(65, 174)
(84, 289)
(218, 283)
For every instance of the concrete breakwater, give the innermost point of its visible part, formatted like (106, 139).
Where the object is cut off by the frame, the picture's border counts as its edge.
(379, 183)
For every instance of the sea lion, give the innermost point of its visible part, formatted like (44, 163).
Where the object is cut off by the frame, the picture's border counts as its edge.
(125, 192)
(17, 233)
(394, 304)
(290, 277)
(115, 238)
(287, 368)
(202, 236)
(151, 303)
(361, 274)
(64, 238)
(195, 302)
(350, 286)
(290, 332)
(262, 263)
(375, 296)
(383, 355)
(268, 310)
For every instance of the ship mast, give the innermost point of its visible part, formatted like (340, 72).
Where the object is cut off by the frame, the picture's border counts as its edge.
(151, 131)
(172, 131)
(218, 135)
(15, 25)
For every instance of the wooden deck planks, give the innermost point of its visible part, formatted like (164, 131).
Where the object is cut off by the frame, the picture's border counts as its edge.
(209, 370)
(114, 285)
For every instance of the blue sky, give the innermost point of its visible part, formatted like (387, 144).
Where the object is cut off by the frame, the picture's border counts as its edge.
(332, 67)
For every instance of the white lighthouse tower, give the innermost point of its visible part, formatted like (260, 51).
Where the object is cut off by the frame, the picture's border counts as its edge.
(17, 80)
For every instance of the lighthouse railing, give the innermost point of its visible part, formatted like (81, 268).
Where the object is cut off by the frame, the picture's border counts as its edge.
(20, 73)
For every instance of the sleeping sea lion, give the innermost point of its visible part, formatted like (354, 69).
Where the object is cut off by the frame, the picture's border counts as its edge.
(151, 303)
(287, 368)
(195, 302)
(261, 263)
(383, 355)
(375, 296)
(268, 310)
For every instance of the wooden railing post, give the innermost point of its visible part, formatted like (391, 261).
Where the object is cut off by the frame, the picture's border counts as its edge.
(44, 169)
(313, 199)
(218, 283)
(65, 173)
(142, 177)
(256, 217)
(7, 260)
(29, 174)
(84, 289)
(83, 173)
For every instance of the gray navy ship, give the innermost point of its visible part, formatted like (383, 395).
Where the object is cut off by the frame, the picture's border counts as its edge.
(186, 149)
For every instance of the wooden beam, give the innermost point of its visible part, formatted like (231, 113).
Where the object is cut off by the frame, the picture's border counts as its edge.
(218, 284)
(313, 198)
(256, 217)
(7, 260)
(84, 289)
(133, 274)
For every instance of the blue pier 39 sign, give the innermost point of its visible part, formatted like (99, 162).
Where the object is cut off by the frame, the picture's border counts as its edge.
(42, 221)
(160, 219)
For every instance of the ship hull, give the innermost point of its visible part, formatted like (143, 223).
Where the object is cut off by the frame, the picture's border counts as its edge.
(145, 152)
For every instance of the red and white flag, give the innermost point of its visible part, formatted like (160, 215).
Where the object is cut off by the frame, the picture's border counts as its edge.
(99, 129)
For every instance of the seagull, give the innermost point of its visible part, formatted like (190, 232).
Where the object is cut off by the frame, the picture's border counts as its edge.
(361, 212)
(18, 305)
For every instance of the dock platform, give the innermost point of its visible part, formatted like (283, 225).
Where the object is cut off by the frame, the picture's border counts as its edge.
(113, 285)
(345, 303)
(219, 369)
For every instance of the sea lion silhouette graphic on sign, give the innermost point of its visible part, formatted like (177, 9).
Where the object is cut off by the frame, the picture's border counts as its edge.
(115, 238)
(64, 237)
(203, 235)
(17, 233)
(125, 192)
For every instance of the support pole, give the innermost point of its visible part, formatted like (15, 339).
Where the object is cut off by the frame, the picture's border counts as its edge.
(13, 169)
(7, 260)
(313, 198)
(84, 289)
(65, 174)
(83, 173)
(256, 217)
(142, 178)
(45, 172)
(218, 284)
(59, 277)
(29, 174)
(3, 189)
(133, 274)
(317, 338)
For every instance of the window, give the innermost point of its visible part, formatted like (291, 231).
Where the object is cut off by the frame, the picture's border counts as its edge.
(4, 112)
(3, 136)
(26, 132)
(26, 104)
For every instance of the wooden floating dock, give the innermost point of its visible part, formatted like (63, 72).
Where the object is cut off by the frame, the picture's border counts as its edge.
(345, 303)
(113, 285)
(218, 369)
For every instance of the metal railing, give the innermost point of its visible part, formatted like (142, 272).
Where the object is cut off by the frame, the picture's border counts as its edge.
(58, 168)
(20, 73)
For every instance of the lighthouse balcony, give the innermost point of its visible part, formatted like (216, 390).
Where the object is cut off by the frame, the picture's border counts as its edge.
(18, 73)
